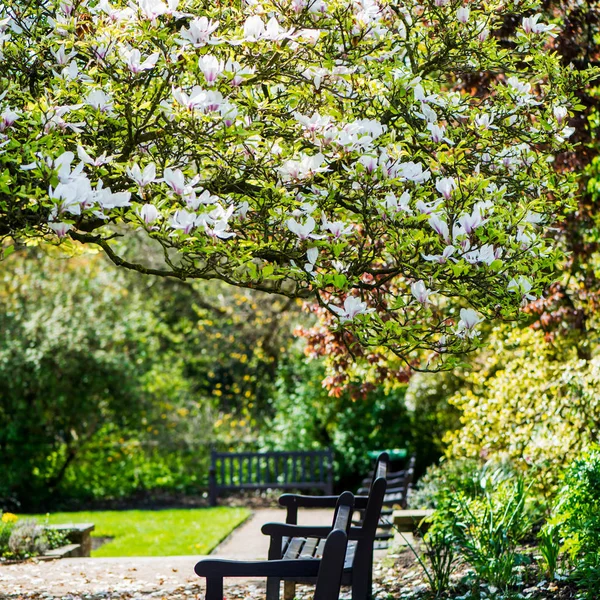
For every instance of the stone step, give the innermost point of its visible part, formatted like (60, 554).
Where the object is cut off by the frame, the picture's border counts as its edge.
(68, 551)
(410, 520)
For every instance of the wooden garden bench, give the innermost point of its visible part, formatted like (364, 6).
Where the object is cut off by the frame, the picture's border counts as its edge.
(398, 485)
(294, 542)
(326, 571)
(301, 470)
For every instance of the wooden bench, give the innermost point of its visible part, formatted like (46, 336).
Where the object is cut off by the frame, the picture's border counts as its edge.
(398, 485)
(327, 571)
(294, 542)
(302, 470)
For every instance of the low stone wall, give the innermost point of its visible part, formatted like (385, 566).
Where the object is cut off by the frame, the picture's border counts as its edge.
(79, 537)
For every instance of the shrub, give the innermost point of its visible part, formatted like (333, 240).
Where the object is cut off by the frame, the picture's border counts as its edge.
(28, 538)
(532, 402)
(578, 516)
(487, 528)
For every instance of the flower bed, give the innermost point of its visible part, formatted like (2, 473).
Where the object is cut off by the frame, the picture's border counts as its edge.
(25, 538)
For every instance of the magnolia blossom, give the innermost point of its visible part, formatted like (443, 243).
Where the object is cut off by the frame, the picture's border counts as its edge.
(303, 231)
(522, 286)
(61, 229)
(336, 228)
(440, 226)
(531, 25)
(311, 256)
(149, 213)
(469, 319)
(254, 29)
(420, 292)
(239, 72)
(7, 118)
(306, 167)
(463, 14)
(445, 186)
(84, 157)
(211, 68)
(134, 62)
(100, 100)
(560, 113)
(393, 204)
(437, 133)
(440, 258)
(412, 172)
(470, 222)
(184, 220)
(142, 178)
(199, 32)
(352, 307)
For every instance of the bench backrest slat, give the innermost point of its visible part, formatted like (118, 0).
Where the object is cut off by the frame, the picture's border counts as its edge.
(264, 470)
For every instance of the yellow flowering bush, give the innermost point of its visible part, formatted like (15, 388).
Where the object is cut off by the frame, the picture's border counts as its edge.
(530, 402)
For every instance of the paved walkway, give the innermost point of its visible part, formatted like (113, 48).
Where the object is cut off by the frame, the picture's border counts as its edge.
(170, 576)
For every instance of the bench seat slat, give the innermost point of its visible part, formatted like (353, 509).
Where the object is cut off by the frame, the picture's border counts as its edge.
(308, 550)
(294, 548)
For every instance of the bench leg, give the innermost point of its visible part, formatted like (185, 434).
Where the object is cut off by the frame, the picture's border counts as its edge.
(214, 588)
(361, 589)
(273, 585)
(289, 590)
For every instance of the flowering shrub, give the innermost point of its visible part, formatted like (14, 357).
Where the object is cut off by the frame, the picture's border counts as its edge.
(297, 146)
(530, 402)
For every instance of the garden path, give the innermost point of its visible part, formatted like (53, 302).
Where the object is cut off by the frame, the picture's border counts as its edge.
(144, 577)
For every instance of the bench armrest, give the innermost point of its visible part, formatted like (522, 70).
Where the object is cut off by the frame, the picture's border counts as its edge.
(301, 501)
(286, 530)
(308, 501)
(218, 568)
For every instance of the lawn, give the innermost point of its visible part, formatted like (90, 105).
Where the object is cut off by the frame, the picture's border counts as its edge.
(157, 532)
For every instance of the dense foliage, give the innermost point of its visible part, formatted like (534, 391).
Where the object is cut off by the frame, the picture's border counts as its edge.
(111, 385)
(324, 148)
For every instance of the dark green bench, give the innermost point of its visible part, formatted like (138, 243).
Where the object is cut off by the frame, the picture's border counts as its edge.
(326, 568)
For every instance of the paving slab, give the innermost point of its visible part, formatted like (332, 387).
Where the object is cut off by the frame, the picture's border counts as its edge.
(169, 577)
(248, 543)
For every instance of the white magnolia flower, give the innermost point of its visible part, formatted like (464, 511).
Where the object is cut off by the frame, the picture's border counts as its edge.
(445, 186)
(306, 167)
(420, 292)
(254, 29)
(60, 229)
(175, 179)
(412, 172)
(440, 258)
(184, 220)
(100, 100)
(303, 230)
(352, 307)
(469, 319)
(470, 222)
(211, 68)
(560, 113)
(149, 213)
(84, 157)
(142, 178)
(8, 118)
(463, 14)
(531, 25)
(336, 228)
(440, 226)
(522, 286)
(134, 62)
(199, 32)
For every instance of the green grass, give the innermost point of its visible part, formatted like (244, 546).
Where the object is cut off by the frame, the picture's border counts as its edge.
(157, 532)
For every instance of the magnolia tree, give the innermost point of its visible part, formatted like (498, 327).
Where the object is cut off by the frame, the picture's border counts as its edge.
(302, 147)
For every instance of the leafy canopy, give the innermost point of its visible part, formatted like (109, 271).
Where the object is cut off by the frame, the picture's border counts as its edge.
(302, 147)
